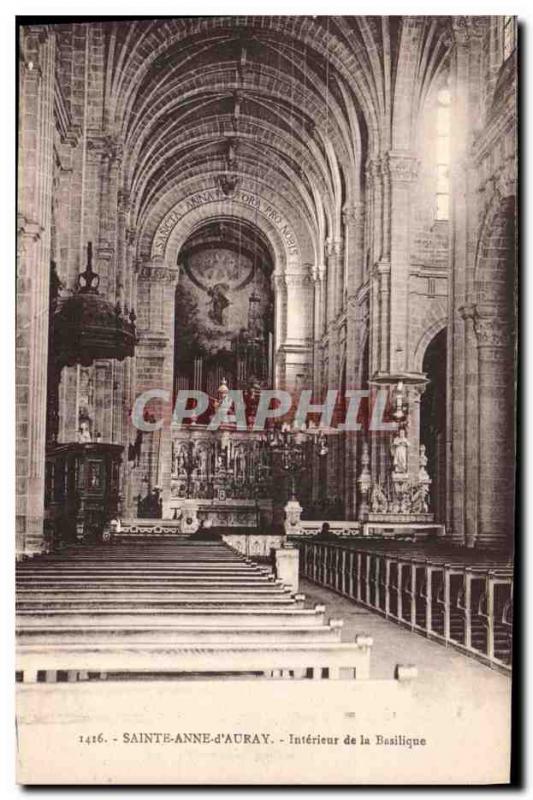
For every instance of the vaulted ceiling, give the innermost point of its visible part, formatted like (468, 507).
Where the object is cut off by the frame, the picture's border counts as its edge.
(293, 106)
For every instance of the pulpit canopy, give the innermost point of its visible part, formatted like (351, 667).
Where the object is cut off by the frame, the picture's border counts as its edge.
(87, 327)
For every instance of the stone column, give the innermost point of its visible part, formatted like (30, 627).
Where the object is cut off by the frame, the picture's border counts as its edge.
(154, 369)
(354, 223)
(496, 429)
(33, 274)
(414, 396)
(316, 283)
(384, 318)
(402, 169)
(321, 327)
(455, 446)
(373, 173)
(471, 422)
(354, 228)
(350, 450)
(296, 346)
(465, 77)
(334, 254)
(279, 286)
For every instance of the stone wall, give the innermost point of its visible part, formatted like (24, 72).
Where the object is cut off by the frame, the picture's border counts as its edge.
(341, 188)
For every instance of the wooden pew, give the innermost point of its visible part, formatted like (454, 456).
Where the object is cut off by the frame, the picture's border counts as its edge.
(183, 609)
(439, 595)
(127, 634)
(332, 660)
(288, 617)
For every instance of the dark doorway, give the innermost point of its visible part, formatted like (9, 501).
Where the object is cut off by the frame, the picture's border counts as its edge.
(433, 422)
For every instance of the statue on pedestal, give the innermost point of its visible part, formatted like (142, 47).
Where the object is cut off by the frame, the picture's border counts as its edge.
(399, 449)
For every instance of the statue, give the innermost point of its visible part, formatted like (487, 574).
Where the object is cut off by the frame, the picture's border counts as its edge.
(84, 433)
(399, 453)
(378, 500)
(423, 476)
(240, 463)
(181, 459)
(219, 302)
(399, 402)
(202, 461)
(419, 500)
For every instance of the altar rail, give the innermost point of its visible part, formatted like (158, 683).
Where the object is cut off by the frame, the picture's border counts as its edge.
(343, 528)
(469, 607)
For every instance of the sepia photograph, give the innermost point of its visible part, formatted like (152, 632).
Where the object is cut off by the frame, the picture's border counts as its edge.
(266, 399)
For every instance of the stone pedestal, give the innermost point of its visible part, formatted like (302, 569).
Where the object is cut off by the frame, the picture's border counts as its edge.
(287, 565)
(293, 513)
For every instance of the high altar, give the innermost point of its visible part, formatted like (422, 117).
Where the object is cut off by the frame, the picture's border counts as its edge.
(222, 476)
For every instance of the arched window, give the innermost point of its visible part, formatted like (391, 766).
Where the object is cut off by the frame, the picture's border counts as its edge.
(443, 155)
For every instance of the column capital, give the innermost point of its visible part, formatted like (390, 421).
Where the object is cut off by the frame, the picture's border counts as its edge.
(491, 327)
(373, 168)
(334, 247)
(105, 147)
(29, 228)
(317, 272)
(353, 213)
(468, 311)
(402, 167)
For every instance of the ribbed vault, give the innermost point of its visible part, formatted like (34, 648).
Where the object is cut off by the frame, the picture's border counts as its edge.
(292, 108)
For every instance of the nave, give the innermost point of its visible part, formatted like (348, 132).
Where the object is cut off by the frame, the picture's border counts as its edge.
(166, 639)
(215, 211)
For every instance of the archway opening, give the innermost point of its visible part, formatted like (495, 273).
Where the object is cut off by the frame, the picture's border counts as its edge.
(433, 421)
(224, 314)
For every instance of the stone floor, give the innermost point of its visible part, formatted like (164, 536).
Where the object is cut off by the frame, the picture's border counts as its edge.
(441, 670)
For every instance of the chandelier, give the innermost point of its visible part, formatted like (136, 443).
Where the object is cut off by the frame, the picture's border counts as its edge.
(294, 447)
